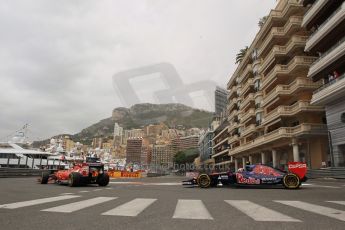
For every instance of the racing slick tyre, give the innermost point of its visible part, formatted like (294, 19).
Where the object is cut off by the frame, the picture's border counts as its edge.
(44, 178)
(74, 179)
(103, 180)
(204, 181)
(291, 181)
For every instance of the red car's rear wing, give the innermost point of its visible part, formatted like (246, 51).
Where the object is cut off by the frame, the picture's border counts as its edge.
(298, 168)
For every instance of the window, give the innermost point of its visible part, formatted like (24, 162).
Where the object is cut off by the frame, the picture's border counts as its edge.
(257, 85)
(258, 118)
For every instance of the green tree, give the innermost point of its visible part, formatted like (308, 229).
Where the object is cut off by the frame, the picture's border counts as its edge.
(241, 54)
(186, 156)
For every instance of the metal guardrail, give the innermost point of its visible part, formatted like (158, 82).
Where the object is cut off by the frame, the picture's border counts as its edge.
(337, 173)
(20, 172)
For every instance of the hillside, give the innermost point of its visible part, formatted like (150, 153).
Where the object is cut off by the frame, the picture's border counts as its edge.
(139, 115)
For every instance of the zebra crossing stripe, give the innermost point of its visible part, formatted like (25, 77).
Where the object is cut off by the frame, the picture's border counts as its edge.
(191, 209)
(131, 208)
(72, 207)
(37, 202)
(321, 210)
(258, 212)
(337, 202)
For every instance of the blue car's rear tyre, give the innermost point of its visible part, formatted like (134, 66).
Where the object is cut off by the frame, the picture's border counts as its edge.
(291, 181)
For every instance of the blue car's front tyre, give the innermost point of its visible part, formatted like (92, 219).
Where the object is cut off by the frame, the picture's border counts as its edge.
(204, 181)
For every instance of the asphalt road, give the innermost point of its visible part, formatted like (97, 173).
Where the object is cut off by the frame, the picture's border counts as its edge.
(161, 203)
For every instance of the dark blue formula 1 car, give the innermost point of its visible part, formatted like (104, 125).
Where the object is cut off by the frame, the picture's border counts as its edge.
(256, 174)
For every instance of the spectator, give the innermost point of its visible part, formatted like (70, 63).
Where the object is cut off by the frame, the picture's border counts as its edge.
(330, 77)
(335, 74)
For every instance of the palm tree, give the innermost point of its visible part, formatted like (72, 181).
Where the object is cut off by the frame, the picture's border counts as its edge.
(262, 21)
(241, 54)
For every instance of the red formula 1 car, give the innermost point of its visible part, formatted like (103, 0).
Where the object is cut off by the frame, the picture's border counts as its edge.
(91, 172)
(256, 174)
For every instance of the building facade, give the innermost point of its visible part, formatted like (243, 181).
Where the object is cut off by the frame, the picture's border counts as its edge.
(220, 146)
(133, 150)
(163, 155)
(271, 120)
(220, 96)
(326, 20)
(205, 146)
(184, 143)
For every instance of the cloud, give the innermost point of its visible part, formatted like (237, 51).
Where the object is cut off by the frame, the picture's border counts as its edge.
(58, 57)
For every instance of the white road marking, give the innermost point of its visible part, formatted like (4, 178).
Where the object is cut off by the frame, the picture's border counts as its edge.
(37, 202)
(325, 211)
(72, 207)
(191, 209)
(319, 186)
(143, 183)
(96, 190)
(337, 202)
(132, 208)
(83, 191)
(258, 212)
(67, 193)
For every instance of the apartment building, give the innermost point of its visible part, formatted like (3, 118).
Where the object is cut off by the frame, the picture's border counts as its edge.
(163, 155)
(205, 147)
(326, 21)
(220, 96)
(133, 150)
(220, 146)
(271, 120)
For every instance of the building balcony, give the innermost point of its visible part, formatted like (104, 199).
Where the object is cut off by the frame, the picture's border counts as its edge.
(248, 130)
(332, 91)
(279, 134)
(333, 55)
(232, 115)
(292, 26)
(326, 27)
(248, 70)
(249, 114)
(233, 139)
(249, 83)
(222, 152)
(298, 85)
(247, 100)
(220, 142)
(233, 126)
(313, 11)
(220, 133)
(291, 110)
(293, 66)
(282, 12)
(282, 51)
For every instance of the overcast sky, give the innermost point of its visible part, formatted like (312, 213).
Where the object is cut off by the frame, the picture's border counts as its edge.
(58, 57)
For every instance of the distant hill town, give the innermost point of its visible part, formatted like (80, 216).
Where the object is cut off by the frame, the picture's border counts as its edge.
(139, 115)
